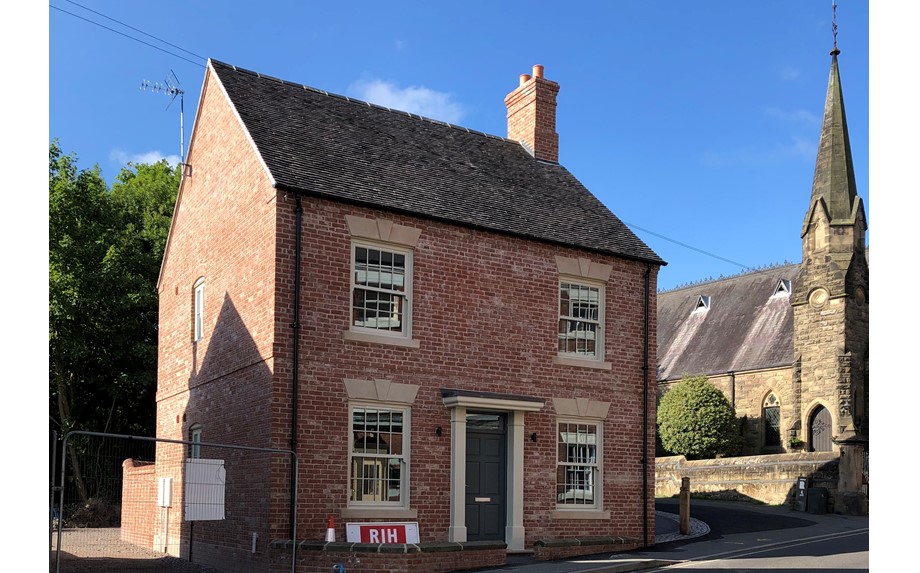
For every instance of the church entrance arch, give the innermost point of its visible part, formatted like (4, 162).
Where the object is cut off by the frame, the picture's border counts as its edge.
(819, 430)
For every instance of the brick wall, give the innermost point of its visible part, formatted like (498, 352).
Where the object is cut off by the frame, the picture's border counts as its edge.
(532, 115)
(223, 231)
(398, 558)
(485, 315)
(138, 503)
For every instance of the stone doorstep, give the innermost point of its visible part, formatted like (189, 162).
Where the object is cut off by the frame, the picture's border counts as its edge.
(390, 548)
(585, 541)
(552, 549)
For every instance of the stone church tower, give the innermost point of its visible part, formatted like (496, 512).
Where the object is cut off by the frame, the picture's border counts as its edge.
(831, 297)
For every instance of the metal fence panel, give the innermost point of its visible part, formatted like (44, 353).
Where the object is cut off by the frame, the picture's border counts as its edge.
(126, 503)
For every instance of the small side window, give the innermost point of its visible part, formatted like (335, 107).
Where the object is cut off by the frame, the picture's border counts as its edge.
(194, 436)
(199, 310)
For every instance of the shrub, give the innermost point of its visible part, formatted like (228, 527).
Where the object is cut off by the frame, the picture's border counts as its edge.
(696, 420)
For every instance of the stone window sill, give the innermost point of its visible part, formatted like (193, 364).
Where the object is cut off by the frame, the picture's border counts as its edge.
(579, 514)
(379, 339)
(582, 363)
(379, 513)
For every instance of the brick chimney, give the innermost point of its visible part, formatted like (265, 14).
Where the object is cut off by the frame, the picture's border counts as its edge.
(532, 115)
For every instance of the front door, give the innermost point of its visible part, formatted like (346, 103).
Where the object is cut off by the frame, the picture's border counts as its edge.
(821, 430)
(485, 476)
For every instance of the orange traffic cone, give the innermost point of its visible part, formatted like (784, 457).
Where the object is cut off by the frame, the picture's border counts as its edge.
(330, 530)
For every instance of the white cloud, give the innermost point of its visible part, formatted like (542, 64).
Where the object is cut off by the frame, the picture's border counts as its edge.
(798, 148)
(122, 157)
(803, 147)
(799, 115)
(789, 74)
(413, 99)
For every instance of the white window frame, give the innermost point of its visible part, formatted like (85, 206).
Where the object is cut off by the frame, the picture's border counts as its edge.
(194, 436)
(565, 500)
(198, 320)
(405, 331)
(598, 355)
(378, 463)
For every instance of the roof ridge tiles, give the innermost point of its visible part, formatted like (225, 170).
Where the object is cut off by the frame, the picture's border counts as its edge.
(363, 102)
(743, 273)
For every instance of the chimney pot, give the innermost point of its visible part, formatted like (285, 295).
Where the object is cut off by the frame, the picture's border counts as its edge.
(532, 115)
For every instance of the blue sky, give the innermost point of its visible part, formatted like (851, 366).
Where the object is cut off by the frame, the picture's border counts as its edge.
(696, 123)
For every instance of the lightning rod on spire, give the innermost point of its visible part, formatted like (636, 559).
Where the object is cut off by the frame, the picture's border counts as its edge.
(835, 51)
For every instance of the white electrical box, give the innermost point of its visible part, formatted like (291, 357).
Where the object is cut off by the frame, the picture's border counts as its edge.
(164, 492)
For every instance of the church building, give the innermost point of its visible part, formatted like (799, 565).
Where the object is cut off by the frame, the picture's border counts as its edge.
(789, 345)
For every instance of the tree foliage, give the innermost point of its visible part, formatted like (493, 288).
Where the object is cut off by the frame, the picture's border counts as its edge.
(105, 248)
(695, 419)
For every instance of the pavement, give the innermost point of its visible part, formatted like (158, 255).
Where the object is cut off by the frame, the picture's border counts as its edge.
(717, 528)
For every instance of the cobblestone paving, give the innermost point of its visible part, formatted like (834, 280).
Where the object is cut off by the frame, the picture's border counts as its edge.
(697, 528)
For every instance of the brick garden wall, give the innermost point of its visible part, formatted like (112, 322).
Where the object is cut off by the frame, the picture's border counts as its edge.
(138, 503)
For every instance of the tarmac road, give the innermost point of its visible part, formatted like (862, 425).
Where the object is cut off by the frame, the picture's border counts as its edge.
(733, 528)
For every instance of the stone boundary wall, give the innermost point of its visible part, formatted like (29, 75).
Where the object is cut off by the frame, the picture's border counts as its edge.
(770, 478)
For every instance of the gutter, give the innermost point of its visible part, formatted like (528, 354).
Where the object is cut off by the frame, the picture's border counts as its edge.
(645, 408)
(295, 367)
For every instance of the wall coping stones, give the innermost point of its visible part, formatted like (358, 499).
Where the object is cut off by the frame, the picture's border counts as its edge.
(390, 548)
(585, 541)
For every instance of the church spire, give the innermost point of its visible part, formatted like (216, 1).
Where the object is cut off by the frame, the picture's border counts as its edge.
(834, 181)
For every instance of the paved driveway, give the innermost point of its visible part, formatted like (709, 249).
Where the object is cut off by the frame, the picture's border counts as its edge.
(100, 550)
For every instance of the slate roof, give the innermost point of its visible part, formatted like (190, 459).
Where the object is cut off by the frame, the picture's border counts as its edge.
(745, 327)
(328, 145)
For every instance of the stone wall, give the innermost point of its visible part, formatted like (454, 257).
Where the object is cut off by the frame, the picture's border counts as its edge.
(770, 479)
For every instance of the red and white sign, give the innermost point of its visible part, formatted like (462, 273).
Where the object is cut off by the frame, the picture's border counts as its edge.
(382, 532)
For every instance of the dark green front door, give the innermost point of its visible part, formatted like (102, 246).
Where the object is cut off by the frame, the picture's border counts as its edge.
(485, 476)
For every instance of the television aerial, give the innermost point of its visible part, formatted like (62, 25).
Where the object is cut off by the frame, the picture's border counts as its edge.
(170, 87)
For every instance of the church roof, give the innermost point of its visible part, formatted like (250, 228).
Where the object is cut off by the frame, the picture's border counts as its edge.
(728, 325)
(326, 145)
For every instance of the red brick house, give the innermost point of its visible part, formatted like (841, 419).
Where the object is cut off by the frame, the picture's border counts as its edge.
(445, 326)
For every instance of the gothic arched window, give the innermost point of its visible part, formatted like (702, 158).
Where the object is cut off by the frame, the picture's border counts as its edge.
(771, 433)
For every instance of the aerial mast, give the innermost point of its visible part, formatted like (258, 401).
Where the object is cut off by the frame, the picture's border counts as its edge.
(170, 87)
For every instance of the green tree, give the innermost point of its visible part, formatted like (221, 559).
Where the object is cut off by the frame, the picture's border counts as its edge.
(105, 248)
(695, 419)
